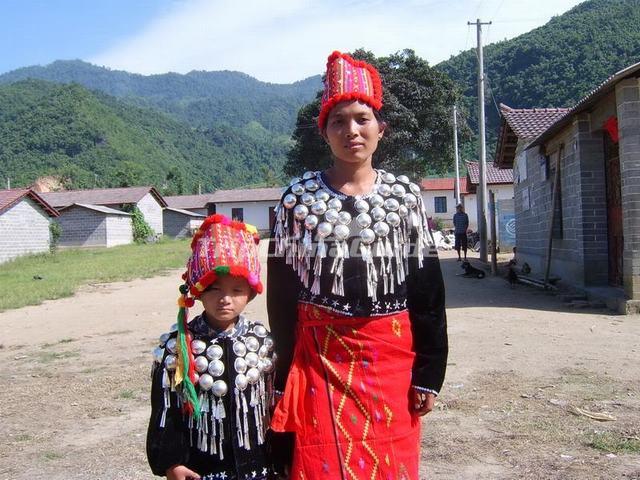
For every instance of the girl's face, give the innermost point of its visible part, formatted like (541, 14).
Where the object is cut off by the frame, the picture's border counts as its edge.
(353, 132)
(225, 299)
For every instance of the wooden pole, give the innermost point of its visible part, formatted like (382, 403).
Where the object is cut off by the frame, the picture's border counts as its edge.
(492, 219)
(552, 214)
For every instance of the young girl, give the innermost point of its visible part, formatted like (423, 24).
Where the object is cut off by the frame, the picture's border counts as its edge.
(355, 299)
(211, 389)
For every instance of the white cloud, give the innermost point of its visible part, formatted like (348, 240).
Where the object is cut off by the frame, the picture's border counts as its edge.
(287, 40)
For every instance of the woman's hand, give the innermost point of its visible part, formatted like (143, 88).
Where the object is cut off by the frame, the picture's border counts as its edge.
(180, 472)
(423, 402)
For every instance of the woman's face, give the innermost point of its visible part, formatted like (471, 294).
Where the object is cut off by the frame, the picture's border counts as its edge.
(353, 132)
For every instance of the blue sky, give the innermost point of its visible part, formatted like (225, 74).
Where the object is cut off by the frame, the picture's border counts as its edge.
(272, 40)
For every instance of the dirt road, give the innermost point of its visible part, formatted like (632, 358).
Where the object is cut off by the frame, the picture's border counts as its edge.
(74, 387)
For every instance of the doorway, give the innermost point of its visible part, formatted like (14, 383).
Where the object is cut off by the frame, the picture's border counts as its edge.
(614, 210)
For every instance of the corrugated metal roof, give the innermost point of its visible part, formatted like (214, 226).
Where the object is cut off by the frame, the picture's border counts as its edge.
(494, 175)
(10, 197)
(185, 212)
(102, 196)
(248, 195)
(189, 201)
(97, 208)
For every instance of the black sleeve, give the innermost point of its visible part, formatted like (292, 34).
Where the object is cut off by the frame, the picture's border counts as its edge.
(165, 446)
(283, 287)
(426, 304)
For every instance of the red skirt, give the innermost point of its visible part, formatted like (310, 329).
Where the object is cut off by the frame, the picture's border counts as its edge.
(347, 398)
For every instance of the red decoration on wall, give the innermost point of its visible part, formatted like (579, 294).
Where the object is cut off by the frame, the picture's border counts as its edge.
(611, 126)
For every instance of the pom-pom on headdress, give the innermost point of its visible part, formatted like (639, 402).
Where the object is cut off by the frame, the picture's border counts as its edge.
(220, 247)
(348, 79)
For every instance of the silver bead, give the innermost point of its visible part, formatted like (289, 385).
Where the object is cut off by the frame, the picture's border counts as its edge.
(260, 331)
(322, 195)
(289, 200)
(206, 382)
(308, 174)
(268, 365)
(398, 190)
(388, 177)
(403, 211)
(324, 229)
(219, 388)
(216, 368)
(171, 345)
(214, 352)
(240, 365)
(300, 212)
(163, 339)
(381, 229)
(158, 354)
(200, 363)
(393, 219)
(295, 180)
(307, 199)
(344, 218)
(239, 349)
(335, 203)
(341, 232)
(376, 200)
(410, 200)
(241, 381)
(319, 207)
(269, 343)
(414, 188)
(252, 344)
(260, 365)
(378, 213)
(263, 352)
(310, 222)
(198, 347)
(173, 328)
(170, 362)
(361, 206)
(298, 189)
(252, 359)
(363, 220)
(331, 215)
(311, 185)
(403, 179)
(391, 204)
(253, 376)
(367, 236)
(384, 189)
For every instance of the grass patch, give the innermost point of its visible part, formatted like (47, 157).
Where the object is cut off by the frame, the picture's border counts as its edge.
(23, 437)
(52, 455)
(128, 394)
(31, 280)
(47, 357)
(612, 442)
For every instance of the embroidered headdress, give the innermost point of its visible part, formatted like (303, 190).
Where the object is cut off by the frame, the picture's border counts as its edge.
(349, 79)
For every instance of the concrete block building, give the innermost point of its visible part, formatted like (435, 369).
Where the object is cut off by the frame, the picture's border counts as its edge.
(179, 223)
(94, 226)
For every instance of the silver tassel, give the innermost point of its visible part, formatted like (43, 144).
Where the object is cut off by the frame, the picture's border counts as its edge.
(321, 252)
(245, 411)
(372, 278)
(238, 423)
(221, 414)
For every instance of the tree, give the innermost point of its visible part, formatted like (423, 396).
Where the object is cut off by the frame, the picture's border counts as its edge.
(418, 102)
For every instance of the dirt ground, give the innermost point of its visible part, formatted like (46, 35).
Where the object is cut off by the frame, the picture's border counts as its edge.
(74, 387)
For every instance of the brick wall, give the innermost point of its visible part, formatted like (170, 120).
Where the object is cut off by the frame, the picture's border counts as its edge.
(82, 227)
(24, 229)
(119, 230)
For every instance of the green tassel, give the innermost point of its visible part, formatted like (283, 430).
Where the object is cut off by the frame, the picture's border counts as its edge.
(187, 386)
(222, 270)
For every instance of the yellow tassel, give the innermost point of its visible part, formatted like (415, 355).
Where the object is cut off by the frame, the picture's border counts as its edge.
(178, 376)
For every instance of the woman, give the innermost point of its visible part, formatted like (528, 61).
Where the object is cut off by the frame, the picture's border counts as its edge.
(355, 300)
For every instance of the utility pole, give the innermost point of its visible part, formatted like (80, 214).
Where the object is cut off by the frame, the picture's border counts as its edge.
(481, 197)
(8, 183)
(455, 147)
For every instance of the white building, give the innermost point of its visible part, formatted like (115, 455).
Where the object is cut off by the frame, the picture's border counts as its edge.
(438, 196)
(255, 206)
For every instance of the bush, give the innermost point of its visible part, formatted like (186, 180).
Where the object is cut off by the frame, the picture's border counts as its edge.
(55, 230)
(142, 232)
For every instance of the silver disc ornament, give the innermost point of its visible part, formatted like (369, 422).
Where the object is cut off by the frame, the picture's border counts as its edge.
(308, 174)
(268, 341)
(170, 362)
(403, 179)
(219, 388)
(289, 200)
(367, 236)
(158, 354)
(410, 200)
(260, 331)
(298, 189)
(216, 368)
(268, 365)
(361, 206)
(332, 215)
(376, 200)
(414, 188)
(388, 177)
(239, 349)
(403, 211)
(363, 220)
(163, 339)
(323, 195)
(398, 190)
(341, 232)
(381, 229)
(300, 212)
(384, 189)
(335, 203)
(253, 375)
(311, 185)
(171, 345)
(310, 222)
(324, 229)
(391, 204)
(378, 213)
(307, 199)
(198, 347)
(263, 351)
(319, 207)
(214, 352)
(240, 365)
(200, 364)
(252, 359)
(241, 381)
(393, 219)
(295, 180)
(205, 381)
(252, 344)
(344, 218)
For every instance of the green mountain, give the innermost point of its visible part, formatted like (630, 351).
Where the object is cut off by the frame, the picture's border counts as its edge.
(93, 139)
(554, 65)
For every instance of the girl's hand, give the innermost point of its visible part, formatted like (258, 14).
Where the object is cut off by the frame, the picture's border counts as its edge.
(423, 402)
(180, 472)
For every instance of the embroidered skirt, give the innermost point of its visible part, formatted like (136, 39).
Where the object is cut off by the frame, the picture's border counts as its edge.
(347, 398)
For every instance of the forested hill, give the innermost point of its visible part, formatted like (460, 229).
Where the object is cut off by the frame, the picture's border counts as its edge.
(202, 99)
(554, 65)
(92, 139)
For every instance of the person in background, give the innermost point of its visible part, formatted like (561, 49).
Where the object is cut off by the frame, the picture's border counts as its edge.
(460, 225)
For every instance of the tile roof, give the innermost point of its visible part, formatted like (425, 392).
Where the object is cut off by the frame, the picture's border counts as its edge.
(248, 195)
(8, 198)
(97, 208)
(101, 196)
(443, 184)
(530, 122)
(189, 201)
(494, 175)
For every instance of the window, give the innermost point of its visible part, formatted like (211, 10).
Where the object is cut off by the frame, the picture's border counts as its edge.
(237, 214)
(440, 204)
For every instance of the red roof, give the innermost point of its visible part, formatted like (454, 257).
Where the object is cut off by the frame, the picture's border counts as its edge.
(448, 183)
(530, 122)
(494, 175)
(102, 196)
(8, 198)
